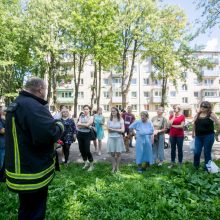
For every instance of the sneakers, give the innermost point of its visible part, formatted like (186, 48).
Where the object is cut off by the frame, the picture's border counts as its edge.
(99, 153)
(160, 164)
(63, 159)
(139, 170)
(91, 168)
(171, 165)
(87, 164)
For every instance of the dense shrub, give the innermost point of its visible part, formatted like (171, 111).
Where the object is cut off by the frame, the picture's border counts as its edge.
(159, 193)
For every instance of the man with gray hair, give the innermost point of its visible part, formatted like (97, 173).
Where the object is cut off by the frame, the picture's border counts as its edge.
(31, 133)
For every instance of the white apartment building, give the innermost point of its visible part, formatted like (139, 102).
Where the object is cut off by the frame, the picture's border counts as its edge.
(145, 93)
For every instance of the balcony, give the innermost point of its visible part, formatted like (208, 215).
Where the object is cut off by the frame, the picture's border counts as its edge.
(63, 87)
(116, 99)
(214, 60)
(210, 73)
(116, 85)
(156, 99)
(65, 100)
(212, 99)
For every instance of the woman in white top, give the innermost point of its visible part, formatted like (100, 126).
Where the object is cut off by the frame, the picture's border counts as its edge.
(84, 137)
(115, 143)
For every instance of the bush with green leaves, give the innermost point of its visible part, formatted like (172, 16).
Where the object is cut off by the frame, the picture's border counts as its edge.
(158, 193)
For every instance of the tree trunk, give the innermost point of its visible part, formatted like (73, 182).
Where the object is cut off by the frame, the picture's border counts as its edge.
(77, 75)
(99, 84)
(126, 89)
(94, 85)
(164, 88)
(76, 86)
(49, 83)
(124, 68)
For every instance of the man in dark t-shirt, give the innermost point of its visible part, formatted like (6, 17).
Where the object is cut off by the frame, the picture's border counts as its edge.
(129, 118)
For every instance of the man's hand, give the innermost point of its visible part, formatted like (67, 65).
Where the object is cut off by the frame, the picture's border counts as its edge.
(2, 131)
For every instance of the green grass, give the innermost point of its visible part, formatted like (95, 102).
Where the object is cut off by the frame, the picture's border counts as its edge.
(159, 193)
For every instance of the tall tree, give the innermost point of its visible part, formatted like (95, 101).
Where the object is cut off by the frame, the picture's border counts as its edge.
(169, 49)
(14, 49)
(135, 19)
(44, 22)
(91, 35)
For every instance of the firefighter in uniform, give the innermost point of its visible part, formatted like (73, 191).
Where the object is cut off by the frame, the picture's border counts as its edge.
(31, 133)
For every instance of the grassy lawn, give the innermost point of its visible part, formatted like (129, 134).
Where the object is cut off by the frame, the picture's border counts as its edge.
(159, 193)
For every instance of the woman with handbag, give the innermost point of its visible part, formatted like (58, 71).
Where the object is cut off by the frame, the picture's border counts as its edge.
(160, 125)
(203, 131)
(115, 143)
(84, 137)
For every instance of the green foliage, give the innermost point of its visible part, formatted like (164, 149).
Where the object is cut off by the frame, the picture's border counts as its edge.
(210, 13)
(159, 193)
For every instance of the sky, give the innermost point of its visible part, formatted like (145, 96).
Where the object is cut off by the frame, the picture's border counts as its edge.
(211, 39)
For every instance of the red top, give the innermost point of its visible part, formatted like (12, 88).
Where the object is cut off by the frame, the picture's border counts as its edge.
(177, 132)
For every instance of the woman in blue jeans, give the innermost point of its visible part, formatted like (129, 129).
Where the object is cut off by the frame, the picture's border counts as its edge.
(176, 122)
(203, 131)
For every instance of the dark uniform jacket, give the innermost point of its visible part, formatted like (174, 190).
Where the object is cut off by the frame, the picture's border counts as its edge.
(30, 135)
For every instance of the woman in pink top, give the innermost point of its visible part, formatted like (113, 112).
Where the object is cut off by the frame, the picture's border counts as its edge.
(176, 121)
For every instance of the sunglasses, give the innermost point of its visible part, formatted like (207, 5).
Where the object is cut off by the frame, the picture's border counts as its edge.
(204, 106)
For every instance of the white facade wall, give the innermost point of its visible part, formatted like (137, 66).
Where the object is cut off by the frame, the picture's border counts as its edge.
(144, 93)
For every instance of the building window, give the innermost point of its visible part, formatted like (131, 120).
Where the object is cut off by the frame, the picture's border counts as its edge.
(106, 94)
(208, 82)
(91, 74)
(184, 87)
(81, 81)
(81, 95)
(66, 94)
(157, 93)
(146, 81)
(80, 108)
(134, 107)
(118, 107)
(134, 81)
(156, 82)
(210, 94)
(116, 80)
(172, 93)
(106, 81)
(133, 94)
(185, 99)
(106, 108)
(117, 94)
(146, 94)
(196, 94)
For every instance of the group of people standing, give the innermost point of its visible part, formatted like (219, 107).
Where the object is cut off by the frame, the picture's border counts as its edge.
(29, 132)
(149, 134)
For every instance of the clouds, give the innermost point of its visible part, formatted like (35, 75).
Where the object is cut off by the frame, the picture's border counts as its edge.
(212, 45)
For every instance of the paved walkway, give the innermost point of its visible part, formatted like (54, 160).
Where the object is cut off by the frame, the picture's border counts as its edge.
(130, 157)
